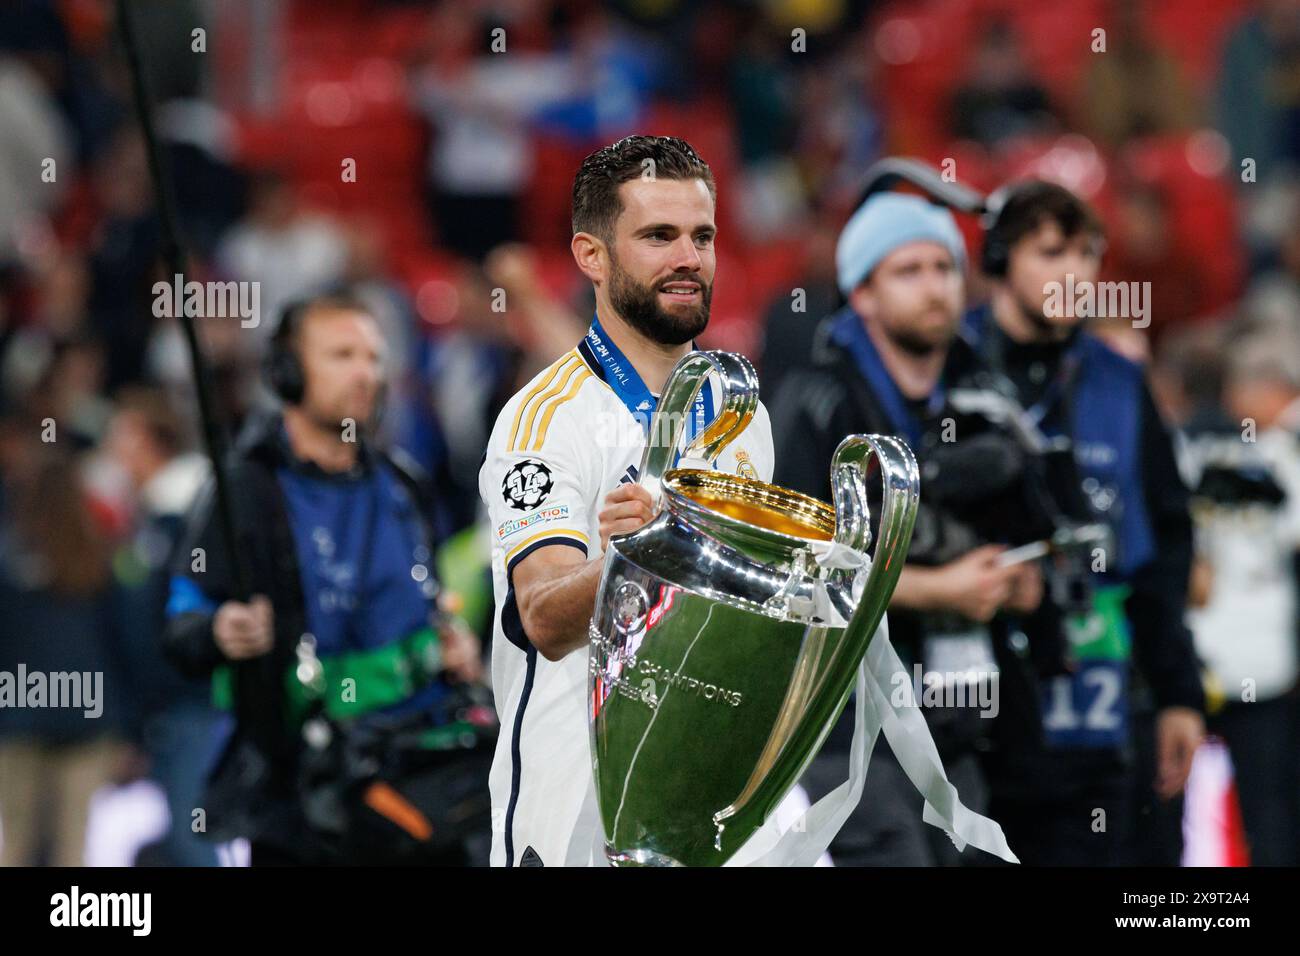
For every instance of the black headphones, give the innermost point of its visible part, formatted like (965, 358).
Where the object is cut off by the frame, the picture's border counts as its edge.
(283, 368)
(995, 254)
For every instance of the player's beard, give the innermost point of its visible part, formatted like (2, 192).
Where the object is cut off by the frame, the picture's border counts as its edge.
(639, 307)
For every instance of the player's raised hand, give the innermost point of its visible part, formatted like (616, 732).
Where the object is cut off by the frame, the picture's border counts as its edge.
(627, 508)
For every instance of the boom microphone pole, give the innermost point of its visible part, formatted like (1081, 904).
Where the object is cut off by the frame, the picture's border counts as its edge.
(174, 259)
(892, 170)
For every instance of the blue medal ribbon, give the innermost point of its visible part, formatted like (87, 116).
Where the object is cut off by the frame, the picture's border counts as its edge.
(631, 390)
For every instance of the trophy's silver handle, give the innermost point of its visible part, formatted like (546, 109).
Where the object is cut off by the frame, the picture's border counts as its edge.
(902, 493)
(739, 402)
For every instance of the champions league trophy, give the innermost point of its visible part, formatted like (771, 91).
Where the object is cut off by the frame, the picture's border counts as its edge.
(728, 631)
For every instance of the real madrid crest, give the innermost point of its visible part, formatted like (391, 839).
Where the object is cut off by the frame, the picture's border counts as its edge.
(745, 467)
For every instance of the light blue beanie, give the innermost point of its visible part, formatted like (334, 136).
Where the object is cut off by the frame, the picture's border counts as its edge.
(885, 222)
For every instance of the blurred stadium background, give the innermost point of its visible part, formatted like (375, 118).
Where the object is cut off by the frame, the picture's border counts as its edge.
(1185, 132)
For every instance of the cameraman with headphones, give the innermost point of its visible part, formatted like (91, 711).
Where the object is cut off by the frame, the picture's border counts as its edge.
(344, 620)
(1087, 760)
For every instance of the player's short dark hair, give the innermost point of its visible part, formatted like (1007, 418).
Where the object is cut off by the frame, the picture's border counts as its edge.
(1033, 203)
(596, 204)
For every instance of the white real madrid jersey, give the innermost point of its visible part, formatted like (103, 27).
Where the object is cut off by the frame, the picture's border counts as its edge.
(558, 448)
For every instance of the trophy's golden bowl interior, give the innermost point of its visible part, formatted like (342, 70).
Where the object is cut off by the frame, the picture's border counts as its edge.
(755, 502)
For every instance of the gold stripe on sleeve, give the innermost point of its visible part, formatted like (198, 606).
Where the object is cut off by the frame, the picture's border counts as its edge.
(571, 368)
(536, 390)
(550, 411)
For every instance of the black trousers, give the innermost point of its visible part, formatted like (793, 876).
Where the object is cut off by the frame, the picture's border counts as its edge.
(1155, 836)
(1064, 808)
(1263, 738)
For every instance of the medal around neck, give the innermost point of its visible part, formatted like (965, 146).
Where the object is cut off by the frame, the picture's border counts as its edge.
(728, 631)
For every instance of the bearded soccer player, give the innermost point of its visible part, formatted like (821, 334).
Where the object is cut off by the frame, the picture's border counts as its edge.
(560, 477)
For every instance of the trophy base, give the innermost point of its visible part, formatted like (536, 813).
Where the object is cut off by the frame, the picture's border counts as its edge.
(637, 858)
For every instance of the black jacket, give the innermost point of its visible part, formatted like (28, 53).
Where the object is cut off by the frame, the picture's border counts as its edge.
(814, 409)
(818, 406)
(1162, 645)
(252, 787)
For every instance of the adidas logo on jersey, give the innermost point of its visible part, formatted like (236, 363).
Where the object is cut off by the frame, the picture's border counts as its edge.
(530, 858)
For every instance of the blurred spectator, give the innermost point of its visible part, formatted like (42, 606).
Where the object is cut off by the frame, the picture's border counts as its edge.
(1187, 377)
(1001, 98)
(1246, 587)
(365, 276)
(603, 79)
(467, 375)
(1136, 87)
(1146, 249)
(290, 251)
(175, 722)
(1258, 96)
(479, 105)
(1273, 297)
(790, 319)
(123, 255)
(542, 325)
(55, 313)
(51, 39)
(70, 392)
(233, 359)
(35, 154)
(200, 141)
(54, 578)
(762, 96)
(763, 92)
(840, 132)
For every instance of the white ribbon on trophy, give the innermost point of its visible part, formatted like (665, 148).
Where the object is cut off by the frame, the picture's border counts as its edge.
(909, 738)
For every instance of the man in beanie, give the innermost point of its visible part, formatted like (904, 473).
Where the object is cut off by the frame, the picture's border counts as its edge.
(877, 368)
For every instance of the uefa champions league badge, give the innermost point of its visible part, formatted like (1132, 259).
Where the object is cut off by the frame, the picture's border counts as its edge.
(527, 485)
